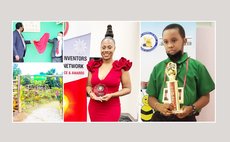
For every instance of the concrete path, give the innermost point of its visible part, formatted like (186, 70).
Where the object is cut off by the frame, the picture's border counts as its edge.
(46, 113)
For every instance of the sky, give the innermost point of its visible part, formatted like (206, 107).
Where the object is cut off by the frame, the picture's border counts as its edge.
(36, 68)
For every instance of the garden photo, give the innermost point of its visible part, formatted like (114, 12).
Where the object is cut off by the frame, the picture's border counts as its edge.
(37, 93)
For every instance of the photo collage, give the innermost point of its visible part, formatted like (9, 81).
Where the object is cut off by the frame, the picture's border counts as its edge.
(112, 71)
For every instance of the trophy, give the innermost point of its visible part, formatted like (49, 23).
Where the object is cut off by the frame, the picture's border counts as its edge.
(100, 90)
(173, 94)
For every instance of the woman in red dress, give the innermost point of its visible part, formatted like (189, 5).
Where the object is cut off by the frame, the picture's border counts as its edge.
(104, 78)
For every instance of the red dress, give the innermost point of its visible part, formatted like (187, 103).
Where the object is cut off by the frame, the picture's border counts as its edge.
(110, 110)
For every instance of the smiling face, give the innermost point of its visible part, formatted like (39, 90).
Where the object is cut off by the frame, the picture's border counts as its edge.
(107, 49)
(173, 41)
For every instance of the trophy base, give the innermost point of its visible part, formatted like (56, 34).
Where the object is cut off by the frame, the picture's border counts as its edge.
(100, 95)
(177, 111)
(100, 90)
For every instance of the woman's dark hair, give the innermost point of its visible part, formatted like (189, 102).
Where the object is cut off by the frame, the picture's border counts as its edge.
(18, 25)
(175, 26)
(109, 33)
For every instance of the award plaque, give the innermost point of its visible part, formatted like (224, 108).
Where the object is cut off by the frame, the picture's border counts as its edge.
(173, 94)
(100, 90)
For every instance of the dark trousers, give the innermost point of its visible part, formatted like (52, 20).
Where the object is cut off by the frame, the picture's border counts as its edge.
(157, 116)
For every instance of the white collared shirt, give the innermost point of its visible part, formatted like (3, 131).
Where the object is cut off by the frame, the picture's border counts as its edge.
(59, 49)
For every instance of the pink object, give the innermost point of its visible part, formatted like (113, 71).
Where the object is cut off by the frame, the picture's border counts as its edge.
(110, 110)
(41, 45)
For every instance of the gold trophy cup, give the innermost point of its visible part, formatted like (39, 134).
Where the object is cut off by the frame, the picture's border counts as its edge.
(171, 92)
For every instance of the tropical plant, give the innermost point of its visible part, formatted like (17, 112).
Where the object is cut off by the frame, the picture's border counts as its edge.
(16, 71)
